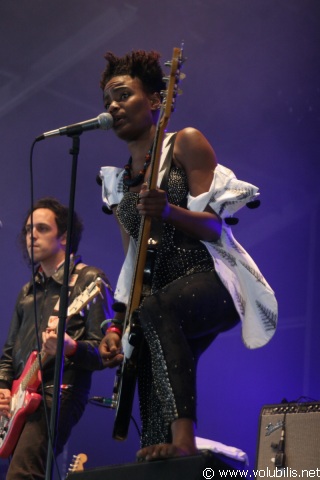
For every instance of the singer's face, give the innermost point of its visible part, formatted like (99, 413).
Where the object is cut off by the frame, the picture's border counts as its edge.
(129, 105)
(48, 247)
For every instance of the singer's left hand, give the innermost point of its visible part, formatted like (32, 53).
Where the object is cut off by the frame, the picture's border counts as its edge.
(110, 350)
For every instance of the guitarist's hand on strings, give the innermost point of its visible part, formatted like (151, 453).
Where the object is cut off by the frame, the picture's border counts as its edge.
(153, 203)
(50, 342)
(5, 396)
(110, 350)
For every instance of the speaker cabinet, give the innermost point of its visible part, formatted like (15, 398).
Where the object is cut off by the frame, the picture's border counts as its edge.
(206, 465)
(289, 441)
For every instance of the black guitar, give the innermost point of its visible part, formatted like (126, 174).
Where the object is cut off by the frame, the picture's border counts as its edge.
(126, 375)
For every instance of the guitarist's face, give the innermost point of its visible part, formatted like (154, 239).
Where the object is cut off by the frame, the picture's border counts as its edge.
(131, 107)
(48, 248)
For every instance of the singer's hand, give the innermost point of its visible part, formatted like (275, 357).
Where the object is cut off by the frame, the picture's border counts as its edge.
(110, 350)
(153, 203)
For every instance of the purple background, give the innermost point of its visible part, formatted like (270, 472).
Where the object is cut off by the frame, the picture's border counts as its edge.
(252, 86)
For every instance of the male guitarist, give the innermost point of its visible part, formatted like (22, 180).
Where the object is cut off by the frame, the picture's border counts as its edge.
(46, 231)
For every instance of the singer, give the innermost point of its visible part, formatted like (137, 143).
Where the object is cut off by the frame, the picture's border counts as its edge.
(203, 281)
(28, 446)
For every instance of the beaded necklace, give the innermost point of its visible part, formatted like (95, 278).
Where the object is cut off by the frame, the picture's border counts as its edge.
(133, 182)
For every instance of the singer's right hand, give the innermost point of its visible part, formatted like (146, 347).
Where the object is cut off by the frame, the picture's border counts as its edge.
(110, 350)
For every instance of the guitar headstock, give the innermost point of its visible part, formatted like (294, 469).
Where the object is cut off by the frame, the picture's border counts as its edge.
(167, 107)
(172, 80)
(77, 463)
(88, 294)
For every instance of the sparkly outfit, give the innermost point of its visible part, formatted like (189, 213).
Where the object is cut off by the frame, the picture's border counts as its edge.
(199, 289)
(176, 319)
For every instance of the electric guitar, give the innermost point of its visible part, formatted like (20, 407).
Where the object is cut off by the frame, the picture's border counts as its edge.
(24, 397)
(126, 375)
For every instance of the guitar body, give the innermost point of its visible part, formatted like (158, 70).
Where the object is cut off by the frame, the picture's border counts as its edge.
(24, 401)
(126, 376)
(125, 384)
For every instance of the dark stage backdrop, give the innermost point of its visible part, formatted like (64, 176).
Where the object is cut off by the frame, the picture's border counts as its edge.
(252, 86)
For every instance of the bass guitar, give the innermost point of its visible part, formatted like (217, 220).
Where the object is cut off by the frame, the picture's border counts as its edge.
(24, 397)
(126, 375)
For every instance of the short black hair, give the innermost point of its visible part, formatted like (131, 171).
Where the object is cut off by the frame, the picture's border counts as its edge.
(61, 216)
(137, 63)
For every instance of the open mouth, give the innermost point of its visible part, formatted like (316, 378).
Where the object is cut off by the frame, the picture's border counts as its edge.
(117, 121)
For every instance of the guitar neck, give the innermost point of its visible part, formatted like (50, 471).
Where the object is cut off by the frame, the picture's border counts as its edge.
(146, 222)
(144, 234)
(31, 377)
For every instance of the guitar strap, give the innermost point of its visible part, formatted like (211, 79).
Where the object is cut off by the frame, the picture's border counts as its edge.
(164, 181)
(156, 228)
(157, 225)
(53, 319)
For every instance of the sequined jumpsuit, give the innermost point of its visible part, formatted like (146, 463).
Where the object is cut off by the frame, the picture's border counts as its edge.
(187, 308)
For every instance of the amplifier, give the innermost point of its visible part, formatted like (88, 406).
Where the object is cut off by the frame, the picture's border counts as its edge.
(206, 465)
(289, 441)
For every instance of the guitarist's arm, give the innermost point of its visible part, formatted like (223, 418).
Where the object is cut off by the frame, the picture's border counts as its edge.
(50, 342)
(6, 364)
(194, 155)
(83, 333)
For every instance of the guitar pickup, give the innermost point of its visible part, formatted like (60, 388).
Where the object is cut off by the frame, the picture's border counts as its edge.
(149, 266)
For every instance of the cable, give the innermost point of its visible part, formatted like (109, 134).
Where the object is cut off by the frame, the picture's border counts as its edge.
(107, 402)
(46, 412)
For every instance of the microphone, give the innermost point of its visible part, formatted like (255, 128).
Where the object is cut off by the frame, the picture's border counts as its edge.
(103, 121)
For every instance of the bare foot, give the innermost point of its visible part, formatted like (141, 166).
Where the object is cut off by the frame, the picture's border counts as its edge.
(164, 450)
(183, 443)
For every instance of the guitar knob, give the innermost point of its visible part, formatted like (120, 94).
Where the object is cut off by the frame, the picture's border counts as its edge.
(135, 335)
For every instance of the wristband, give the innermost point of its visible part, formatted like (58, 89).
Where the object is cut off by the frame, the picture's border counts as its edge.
(114, 330)
(109, 321)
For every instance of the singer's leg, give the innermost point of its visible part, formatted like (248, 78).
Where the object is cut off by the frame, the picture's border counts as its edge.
(179, 322)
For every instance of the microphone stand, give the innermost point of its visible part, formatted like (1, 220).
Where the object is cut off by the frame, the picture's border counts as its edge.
(63, 308)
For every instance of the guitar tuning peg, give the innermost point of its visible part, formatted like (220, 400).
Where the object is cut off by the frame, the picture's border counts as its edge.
(179, 92)
(182, 76)
(82, 313)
